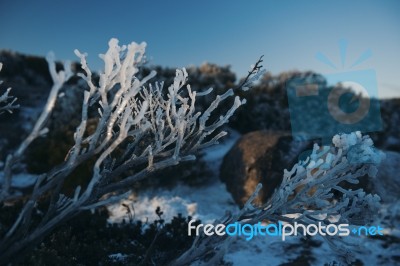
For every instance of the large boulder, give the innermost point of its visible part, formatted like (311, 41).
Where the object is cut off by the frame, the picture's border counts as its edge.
(259, 157)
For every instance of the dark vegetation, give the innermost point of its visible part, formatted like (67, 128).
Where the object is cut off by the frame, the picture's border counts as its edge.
(89, 239)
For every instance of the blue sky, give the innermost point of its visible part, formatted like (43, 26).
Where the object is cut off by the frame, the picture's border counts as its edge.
(179, 33)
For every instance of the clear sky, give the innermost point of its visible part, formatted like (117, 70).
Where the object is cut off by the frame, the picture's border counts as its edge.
(179, 33)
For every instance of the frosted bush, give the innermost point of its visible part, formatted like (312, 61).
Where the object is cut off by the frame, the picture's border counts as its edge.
(306, 196)
(7, 102)
(152, 126)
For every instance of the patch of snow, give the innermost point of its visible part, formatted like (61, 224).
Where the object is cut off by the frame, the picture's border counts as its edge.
(117, 257)
(205, 203)
(21, 180)
(272, 251)
(214, 154)
(261, 251)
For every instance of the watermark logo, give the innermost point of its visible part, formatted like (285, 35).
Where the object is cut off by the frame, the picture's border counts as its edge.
(341, 102)
(282, 230)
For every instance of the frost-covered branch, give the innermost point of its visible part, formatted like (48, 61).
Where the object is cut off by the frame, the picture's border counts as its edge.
(306, 194)
(152, 126)
(59, 78)
(7, 102)
(254, 74)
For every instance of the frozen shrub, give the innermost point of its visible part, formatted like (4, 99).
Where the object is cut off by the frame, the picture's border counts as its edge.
(306, 193)
(140, 126)
(7, 102)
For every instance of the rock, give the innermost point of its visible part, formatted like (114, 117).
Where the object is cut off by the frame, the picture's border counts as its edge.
(259, 156)
(387, 182)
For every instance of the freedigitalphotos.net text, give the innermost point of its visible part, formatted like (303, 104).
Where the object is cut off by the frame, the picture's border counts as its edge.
(280, 229)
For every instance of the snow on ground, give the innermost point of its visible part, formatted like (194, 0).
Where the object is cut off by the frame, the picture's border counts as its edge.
(210, 202)
(117, 257)
(214, 154)
(260, 251)
(206, 203)
(21, 180)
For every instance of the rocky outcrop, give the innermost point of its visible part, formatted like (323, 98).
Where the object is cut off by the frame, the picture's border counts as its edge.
(259, 157)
